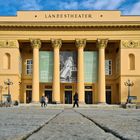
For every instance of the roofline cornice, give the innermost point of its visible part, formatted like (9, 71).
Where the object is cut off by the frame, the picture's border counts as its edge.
(71, 24)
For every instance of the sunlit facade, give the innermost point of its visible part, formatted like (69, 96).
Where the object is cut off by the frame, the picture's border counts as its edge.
(58, 53)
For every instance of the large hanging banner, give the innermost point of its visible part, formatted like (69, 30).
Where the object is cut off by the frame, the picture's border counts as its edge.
(68, 67)
(90, 66)
(45, 66)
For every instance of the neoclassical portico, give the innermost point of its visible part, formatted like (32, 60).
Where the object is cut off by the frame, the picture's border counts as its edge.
(80, 45)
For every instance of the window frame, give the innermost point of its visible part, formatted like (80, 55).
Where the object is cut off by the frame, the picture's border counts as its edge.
(30, 68)
(109, 67)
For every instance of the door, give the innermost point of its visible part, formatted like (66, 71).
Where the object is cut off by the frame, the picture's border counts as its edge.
(68, 97)
(88, 97)
(48, 93)
(108, 94)
(28, 96)
(108, 97)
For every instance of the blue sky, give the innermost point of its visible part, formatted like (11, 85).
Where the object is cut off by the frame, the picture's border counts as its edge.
(127, 7)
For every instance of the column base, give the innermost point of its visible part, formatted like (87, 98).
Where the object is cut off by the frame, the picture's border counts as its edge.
(35, 102)
(80, 102)
(56, 102)
(102, 103)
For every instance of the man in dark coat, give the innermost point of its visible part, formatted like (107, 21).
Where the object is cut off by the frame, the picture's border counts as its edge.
(75, 98)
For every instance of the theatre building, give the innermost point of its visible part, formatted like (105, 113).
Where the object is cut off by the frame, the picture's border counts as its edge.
(58, 53)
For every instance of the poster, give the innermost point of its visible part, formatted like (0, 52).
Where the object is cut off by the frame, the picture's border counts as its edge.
(68, 67)
(45, 66)
(90, 66)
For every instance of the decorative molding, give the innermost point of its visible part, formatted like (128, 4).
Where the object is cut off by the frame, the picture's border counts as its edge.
(56, 43)
(9, 44)
(80, 43)
(35, 43)
(102, 43)
(130, 44)
(103, 24)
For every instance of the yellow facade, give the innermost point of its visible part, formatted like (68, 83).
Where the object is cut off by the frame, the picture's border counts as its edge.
(114, 37)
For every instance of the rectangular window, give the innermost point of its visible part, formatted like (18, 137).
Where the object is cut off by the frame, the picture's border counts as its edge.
(88, 87)
(108, 67)
(29, 63)
(68, 87)
(28, 86)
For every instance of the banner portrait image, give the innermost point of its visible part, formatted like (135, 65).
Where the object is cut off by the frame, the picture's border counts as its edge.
(68, 67)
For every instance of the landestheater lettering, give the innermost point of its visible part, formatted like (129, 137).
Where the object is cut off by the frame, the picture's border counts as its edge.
(68, 16)
(58, 53)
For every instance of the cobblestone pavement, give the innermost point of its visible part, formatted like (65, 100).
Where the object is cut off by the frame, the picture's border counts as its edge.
(36, 123)
(18, 122)
(124, 123)
(70, 125)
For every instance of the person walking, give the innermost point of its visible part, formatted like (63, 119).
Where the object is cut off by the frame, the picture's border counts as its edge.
(46, 101)
(42, 101)
(75, 98)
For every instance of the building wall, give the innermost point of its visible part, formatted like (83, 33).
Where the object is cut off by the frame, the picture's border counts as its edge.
(123, 40)
(13, 72)
(126, 72)
(116, 80)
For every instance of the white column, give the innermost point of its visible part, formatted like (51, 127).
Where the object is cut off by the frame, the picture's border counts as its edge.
(101, 44)
(36, 44)
(56, 44)
(80, 44)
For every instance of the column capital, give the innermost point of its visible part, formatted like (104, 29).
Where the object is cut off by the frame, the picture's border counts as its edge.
(35, 43)
(80, 43)
(56, 43)
(102, 43)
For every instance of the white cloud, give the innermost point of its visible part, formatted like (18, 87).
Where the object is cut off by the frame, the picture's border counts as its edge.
(135, 9)
(114, 4)
(91, 4)
(31, 5)
(102, 4)
(68, 5)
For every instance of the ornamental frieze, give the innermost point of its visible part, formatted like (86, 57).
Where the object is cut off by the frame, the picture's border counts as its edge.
(9, 44)
(130, 44)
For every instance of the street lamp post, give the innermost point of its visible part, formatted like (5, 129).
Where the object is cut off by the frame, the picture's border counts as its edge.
(8, 82)
(129, 84)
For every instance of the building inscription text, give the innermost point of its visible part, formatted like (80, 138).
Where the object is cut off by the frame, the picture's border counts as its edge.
(68, 16)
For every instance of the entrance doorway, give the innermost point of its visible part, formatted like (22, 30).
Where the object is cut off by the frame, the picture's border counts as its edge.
(28, 96)
(68, 97)
(108, 94)
(48, 93)
(88, 97)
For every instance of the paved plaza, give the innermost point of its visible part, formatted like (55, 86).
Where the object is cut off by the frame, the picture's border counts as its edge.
(66, 123)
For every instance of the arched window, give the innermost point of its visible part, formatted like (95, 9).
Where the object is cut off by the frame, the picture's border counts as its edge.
(6, 61)
(131, 61)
